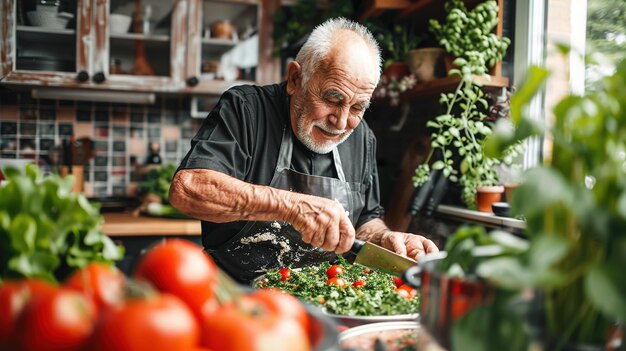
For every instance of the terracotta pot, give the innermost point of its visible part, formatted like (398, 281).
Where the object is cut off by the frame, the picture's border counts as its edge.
(78, 172)
(508, 191)
(397, 70)
(486, 195)
(422, 62)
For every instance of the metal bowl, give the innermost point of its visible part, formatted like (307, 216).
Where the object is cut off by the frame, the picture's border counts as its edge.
(363, 338)
(355, 321)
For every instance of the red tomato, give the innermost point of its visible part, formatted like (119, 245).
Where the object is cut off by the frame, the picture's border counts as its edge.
(103, 283)
(181, 268)
(14, 296)
(157, 323)
(285, 273)
(283, 304)
(367, 270)
(61, 320)
(406, 291)
(358, 284)
(340, 282)
(246, 324)
(334, 270)
(398, 281)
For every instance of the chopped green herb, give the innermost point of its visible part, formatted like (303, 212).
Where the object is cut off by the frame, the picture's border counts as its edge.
(377, 296)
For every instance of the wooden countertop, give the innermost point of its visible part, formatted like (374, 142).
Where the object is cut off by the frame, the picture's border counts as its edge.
(125, 224)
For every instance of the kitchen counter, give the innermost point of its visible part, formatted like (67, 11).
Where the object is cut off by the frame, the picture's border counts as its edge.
(125, 224)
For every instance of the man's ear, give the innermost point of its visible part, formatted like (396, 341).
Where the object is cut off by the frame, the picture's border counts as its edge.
(294, 77)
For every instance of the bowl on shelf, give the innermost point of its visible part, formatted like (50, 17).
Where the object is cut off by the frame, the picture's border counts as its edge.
(49, 19)
(119, 24)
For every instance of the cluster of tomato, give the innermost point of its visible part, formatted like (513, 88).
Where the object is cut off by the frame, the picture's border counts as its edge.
(175, 301)
(334, 278)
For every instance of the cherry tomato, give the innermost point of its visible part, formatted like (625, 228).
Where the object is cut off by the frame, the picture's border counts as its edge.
(103, 283)
(247, 324)
(157, 323)
(358, 284)
(406, 291)
(283, 304)
(398, 281)
(367, 270)
(61, 320)
(340, 282)
(334, 270)
(181, 268)
(14, 296)
(285, 273)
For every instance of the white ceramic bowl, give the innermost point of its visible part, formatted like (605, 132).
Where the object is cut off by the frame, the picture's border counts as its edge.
(47, 19)
(119, 24)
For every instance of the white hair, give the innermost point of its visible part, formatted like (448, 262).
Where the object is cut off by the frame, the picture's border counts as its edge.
(319, 43)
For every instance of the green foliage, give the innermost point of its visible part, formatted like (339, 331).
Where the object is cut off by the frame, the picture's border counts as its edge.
(394, 40)
(575, 211)
(293, 23)
(462, 130)
(157, 181)
(465, 33)
(46, 230)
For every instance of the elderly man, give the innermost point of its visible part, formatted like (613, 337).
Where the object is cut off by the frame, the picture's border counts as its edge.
(283, 174)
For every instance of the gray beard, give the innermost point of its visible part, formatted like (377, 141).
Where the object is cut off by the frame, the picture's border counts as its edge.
(304, 129)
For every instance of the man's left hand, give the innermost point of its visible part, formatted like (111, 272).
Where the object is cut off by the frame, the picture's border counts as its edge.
(406, 244)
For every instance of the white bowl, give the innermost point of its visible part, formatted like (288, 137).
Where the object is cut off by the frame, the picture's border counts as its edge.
(119, 24)
(48, 19)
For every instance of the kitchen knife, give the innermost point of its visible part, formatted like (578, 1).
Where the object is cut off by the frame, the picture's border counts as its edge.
(379, 258)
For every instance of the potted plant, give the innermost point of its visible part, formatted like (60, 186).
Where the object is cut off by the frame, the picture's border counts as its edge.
(395, 41)
(458, 136)
(465, 33)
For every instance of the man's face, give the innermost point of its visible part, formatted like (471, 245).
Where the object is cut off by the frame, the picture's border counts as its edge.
(326, 111)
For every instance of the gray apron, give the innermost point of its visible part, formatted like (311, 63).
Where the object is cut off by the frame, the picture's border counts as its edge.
(261, 245)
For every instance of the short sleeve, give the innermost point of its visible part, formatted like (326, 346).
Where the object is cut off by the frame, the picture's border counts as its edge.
(224, 141)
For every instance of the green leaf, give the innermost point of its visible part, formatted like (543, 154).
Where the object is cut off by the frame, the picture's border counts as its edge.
(438, 165)
(38, 264)
(605, 286)
(22, 232)
(509, 241)
(546, 251)
(505, 272)
(535, 78)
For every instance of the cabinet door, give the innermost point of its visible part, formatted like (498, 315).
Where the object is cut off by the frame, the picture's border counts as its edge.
(223, 44)
(46, 42)
(140, 44)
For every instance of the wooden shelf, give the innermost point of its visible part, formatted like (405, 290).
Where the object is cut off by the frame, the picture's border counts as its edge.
(374, 8)
(432, 89)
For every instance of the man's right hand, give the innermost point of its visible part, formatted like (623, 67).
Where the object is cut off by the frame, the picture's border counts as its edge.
(323, 223)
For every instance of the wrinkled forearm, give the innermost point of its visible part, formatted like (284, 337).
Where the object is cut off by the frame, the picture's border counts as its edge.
(372, 231)
(219, 198)
(216, 197)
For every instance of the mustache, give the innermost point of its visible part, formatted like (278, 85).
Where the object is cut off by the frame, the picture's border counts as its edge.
(328, 129)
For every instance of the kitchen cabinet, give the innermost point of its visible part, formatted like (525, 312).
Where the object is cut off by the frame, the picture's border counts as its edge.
(135, 45)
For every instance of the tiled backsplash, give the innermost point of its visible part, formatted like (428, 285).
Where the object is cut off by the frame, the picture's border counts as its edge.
(121, 134)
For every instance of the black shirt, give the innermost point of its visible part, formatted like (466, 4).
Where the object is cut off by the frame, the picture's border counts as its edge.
(241, 137)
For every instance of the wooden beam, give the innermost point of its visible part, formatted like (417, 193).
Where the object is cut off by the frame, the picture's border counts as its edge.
(374, 8)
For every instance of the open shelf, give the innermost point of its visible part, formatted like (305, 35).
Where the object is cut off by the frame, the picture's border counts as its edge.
(432, 89)
(211, 46)
(29, 34)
